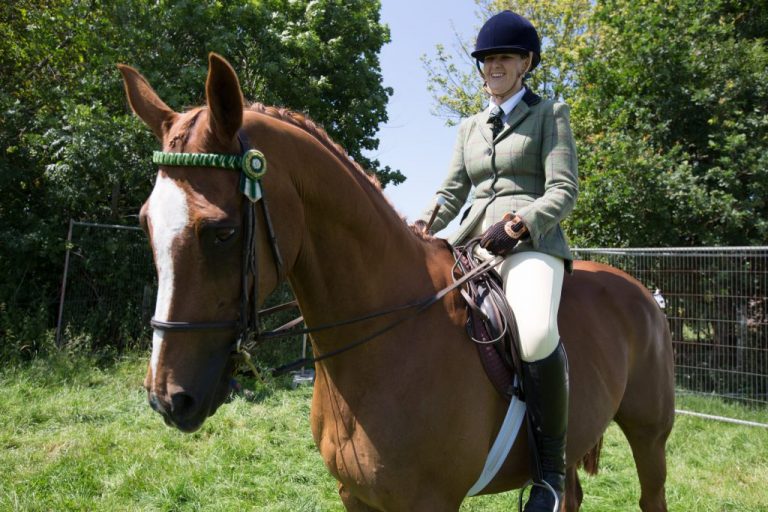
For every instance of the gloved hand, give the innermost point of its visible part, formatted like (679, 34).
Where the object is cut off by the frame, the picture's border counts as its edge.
(503, 236)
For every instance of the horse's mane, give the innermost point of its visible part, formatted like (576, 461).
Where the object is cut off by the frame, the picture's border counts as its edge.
(319, 133)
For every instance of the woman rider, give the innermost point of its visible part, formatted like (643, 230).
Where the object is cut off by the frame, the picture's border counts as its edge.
(520, 157)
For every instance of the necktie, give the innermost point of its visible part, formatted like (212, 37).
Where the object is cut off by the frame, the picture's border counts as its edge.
(494, 119)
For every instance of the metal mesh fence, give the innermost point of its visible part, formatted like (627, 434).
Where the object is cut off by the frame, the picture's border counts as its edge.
(716, 303)
(717, 306)
(108, 287)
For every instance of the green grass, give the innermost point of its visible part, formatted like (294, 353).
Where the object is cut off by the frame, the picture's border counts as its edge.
(77, 434)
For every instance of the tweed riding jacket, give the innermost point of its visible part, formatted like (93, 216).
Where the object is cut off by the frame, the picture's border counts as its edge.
(529, 169)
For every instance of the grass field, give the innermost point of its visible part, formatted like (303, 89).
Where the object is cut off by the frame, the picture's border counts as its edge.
(77, 434)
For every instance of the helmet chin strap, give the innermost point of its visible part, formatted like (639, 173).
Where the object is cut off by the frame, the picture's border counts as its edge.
(505, 93)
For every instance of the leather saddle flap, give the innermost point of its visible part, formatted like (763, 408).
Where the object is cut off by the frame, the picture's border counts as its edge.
(490, 322)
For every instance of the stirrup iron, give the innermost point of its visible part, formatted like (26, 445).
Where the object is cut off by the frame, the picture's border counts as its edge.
(543, 484)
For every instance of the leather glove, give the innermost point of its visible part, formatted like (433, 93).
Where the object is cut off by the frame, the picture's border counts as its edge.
(499, 239)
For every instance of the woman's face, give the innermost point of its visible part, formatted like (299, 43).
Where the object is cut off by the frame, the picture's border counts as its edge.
(504, 74)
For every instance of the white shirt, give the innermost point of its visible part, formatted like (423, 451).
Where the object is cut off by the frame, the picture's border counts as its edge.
(509, 105)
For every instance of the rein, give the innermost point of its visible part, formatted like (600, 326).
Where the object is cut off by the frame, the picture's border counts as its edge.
(417, 306)
(253, 166)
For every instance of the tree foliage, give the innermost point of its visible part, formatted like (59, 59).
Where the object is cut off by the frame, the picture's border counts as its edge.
(670, 111)
(70, 146)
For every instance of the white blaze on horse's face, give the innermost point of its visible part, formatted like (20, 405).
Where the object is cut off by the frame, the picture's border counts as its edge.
(168, 213)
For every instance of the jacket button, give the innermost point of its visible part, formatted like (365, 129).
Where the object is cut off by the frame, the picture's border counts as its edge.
(490, 151)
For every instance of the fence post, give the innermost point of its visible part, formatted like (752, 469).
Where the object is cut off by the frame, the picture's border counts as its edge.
(64, 285)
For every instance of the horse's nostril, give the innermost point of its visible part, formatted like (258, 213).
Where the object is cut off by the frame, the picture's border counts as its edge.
(181, 404)
(154, 402)
(157, 404)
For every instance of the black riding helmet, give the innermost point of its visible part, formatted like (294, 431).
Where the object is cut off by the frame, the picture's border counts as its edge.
(508, 32)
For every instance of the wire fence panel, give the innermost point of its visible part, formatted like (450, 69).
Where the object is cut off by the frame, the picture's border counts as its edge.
(716, 303)
(108, 287)
(717, 306)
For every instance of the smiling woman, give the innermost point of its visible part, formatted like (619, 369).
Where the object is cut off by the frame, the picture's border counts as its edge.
(504, 73)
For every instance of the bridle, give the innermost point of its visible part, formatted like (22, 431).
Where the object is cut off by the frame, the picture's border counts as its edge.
(253, 167)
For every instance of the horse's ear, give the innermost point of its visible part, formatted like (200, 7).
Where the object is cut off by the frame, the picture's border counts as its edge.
(225, 99)
(145, 101)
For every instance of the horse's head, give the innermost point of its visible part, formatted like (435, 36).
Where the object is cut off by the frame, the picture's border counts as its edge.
(197, 222)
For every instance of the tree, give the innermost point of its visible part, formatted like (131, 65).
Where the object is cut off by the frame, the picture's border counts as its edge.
(672, 119)
(70, 146)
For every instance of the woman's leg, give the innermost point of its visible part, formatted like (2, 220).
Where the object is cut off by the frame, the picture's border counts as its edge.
(532, 283)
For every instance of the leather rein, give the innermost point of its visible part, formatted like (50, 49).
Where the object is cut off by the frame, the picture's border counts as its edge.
(253, 166)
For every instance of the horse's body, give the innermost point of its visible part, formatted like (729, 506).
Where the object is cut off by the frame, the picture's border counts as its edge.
(405, 421)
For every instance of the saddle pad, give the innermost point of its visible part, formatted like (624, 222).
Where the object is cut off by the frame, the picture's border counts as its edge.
(501, 446)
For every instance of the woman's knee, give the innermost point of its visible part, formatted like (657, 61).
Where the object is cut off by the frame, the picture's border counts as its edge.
(537, 341)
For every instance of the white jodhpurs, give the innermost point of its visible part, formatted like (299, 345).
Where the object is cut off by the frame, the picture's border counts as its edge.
(533, 282)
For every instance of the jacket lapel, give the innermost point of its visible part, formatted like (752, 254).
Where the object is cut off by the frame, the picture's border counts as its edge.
(520, 112)
(485, 127)
(516, 117)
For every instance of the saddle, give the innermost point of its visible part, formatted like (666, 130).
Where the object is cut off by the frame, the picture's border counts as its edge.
(490, 322)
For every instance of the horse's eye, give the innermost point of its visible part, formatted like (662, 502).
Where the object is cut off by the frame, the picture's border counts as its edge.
(224, 234)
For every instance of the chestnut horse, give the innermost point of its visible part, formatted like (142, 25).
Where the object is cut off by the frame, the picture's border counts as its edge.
(404, 422)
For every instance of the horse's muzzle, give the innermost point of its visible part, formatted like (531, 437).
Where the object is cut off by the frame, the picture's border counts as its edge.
(181, 412)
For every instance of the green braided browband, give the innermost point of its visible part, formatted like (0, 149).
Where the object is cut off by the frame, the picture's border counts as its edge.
(252, 164)
(197, 160)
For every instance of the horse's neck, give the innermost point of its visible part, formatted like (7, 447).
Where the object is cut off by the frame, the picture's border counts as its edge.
(357, 255)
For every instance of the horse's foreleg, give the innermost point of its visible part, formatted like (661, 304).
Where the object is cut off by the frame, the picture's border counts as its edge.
(573, 492)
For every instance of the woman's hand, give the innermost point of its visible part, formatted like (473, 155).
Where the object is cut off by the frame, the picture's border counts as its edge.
(503, 236)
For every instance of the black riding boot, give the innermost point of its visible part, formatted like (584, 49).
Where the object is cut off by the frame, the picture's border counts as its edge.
(546, 397)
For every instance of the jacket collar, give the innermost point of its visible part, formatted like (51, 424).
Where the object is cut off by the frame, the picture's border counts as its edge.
(531, 98)
(517, 115)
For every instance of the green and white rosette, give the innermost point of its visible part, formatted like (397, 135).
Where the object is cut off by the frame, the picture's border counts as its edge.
(254, 167)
